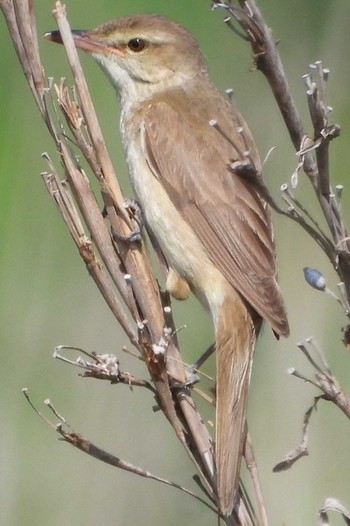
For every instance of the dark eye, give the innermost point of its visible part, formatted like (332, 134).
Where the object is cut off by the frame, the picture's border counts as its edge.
(136, 44)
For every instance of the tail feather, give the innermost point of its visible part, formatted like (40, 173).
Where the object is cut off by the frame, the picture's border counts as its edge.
(235, 343)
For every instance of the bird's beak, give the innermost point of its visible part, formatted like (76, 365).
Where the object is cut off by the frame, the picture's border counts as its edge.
(83, 41)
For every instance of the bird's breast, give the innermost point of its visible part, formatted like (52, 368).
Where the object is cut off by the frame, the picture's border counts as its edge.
(180, 245)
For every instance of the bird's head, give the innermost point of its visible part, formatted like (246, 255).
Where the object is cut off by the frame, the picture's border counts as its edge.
(143, 50)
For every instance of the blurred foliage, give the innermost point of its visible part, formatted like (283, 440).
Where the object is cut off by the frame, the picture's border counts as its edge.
(47, 297)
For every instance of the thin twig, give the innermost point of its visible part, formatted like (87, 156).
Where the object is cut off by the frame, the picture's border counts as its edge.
(107, 263)
(268, 61)
(253, 470)
(81, 443)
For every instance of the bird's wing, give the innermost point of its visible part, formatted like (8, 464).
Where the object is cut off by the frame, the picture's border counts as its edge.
(224, 210)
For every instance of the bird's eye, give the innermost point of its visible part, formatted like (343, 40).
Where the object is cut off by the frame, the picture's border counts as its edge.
(136, 44)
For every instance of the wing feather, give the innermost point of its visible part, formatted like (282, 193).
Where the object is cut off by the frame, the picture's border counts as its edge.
(224, 210)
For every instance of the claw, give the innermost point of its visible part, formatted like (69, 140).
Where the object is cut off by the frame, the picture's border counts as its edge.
(134, 209)
(134, 237)
(135, 213)
(192, 376)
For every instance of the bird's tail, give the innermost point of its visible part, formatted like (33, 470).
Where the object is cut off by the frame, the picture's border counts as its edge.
(235, 343)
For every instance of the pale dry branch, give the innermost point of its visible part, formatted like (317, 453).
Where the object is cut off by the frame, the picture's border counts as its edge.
(313, 157)
(101, 367)
(313, 153)
(302, 449)
(60, 195)
(120, 269)
(332, 505)
(146, 293)
(88, 447)
(253, 470)
(324, 379)
(332, 392)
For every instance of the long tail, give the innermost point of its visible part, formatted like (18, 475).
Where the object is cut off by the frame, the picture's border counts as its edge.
(235, 343)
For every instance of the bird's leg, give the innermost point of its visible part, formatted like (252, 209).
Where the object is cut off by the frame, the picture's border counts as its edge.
(135, 214)
(191, 370)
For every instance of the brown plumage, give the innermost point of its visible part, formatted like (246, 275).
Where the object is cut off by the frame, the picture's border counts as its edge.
(190, 158)
(234, 227)
(180, 135)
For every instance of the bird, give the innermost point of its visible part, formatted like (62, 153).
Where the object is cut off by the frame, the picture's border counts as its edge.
(197, 177)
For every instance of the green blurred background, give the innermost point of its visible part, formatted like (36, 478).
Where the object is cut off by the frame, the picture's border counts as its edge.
(47, 298)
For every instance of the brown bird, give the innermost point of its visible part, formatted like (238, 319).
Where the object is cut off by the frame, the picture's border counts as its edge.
(191, 158)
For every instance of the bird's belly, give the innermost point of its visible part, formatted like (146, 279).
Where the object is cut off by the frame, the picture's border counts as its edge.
(180, 245)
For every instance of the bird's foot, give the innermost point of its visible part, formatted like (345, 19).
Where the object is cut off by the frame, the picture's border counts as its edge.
(192, 376)
(135, 213)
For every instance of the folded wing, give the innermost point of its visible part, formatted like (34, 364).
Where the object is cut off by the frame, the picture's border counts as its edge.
(224, 210)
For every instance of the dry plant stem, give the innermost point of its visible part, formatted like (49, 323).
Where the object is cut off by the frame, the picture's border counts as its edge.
(90, 210)
(101, 367)
(178, 406)
(136, 264)
(328, 384)
(319, 116)
(146, 292)
(141, 295)
(87, 202)
(331, 504)
(81, 443)
(253, 470)
(133, 260)
(92, 450)
(107, 174)
(302, 449)
(268, 61)
(21, 21)
(71, 217)
(325, 380)
(334, 392)
(143, 283)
